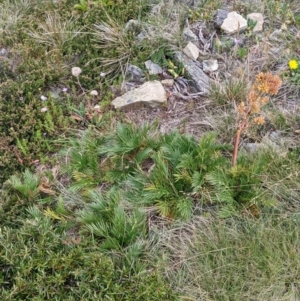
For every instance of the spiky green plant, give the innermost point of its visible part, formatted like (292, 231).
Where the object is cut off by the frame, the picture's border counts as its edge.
(105, 218)
(82, 161)
(25, 186)
(177, 175)
(127, 148)
(17, 193)
(240, 187)
(121, 231)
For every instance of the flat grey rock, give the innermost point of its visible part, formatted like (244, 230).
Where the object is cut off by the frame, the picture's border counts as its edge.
(199, 80)
(134, 73)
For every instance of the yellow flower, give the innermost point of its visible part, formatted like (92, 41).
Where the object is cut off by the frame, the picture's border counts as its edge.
(293, 64)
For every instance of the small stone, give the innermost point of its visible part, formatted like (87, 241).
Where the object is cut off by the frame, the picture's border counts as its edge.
(131, 25)
(252, 147)
(141, 36)
(219, 17)
(156, 9)
(167, 82)
(153, 68)
(189, 3)
(234, 23)
(151, 93)
(134, 73)
(191, 51)
(189, 36)
(259, 19)
(3, 52)
(276, 35)
(210, 65)
(274, 136)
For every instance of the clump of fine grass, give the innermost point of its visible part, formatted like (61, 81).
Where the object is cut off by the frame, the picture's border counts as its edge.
(235, 260)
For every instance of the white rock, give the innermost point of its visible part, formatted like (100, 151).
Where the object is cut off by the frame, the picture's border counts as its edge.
(259, 19)
(234, 23)
(169, 82)
(151, 93)
(210, 65)
(191, 51)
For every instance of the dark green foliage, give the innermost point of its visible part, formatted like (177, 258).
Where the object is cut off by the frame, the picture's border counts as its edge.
(17, 194)
(127, 149)
(25, 131)
(83, 161)
(171, 172)
(119, 230)
(40, 263)
(178, 173)
(241, 186)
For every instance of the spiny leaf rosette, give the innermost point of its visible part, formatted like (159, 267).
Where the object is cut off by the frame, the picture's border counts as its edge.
(264, 86)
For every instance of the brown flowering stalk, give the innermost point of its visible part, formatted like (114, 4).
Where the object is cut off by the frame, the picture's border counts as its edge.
(264, 86)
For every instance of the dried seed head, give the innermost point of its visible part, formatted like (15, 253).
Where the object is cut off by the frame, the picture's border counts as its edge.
(241, 108)
(259, 120)
(76, 71)
(94, 93)
(267, 83)
(255, 107)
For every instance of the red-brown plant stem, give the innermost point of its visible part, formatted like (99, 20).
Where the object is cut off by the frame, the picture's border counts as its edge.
(236, 143)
